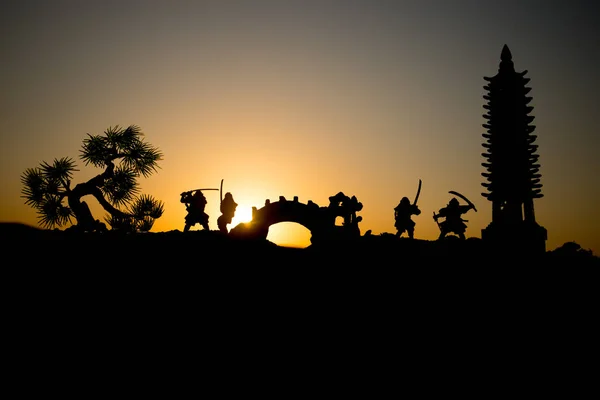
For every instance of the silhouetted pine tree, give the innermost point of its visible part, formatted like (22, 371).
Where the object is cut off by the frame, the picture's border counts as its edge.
(125, 156)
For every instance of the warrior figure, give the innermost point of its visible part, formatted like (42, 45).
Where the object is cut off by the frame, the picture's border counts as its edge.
(402, 213)
(453, 222)
(228, 207)
(195, 204)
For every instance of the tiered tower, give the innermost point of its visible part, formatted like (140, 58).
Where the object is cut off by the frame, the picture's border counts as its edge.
(513, 178)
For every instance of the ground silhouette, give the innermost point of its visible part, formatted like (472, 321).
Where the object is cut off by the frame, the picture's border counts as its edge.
(187, 283)
(201, 248)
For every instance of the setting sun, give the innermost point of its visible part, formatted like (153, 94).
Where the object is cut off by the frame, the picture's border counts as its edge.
(287, 234)
(242, 214)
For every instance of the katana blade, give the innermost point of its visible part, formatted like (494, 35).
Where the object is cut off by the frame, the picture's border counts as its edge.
(464, 198)
(418, 193)
(195, 190)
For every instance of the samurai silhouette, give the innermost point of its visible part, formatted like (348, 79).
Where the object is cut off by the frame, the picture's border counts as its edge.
(402, 213)
(228, 207)
(195, 204)
(453, 222)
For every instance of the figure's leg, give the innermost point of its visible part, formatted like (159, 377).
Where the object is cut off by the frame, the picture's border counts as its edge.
(411, 233)
(188, 222)
(461, 235)
(222, 224)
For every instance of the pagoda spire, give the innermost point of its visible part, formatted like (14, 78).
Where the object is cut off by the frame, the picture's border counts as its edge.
(513, 178)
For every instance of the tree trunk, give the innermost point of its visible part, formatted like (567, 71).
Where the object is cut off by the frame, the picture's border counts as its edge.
(92, 187)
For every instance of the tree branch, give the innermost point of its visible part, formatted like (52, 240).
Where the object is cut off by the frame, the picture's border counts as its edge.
(97, 193)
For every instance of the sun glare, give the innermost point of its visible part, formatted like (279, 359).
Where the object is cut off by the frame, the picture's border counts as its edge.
(283, 234)
(242, 214)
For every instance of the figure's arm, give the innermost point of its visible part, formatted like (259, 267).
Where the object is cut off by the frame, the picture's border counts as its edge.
(465, 209)
(186, 197)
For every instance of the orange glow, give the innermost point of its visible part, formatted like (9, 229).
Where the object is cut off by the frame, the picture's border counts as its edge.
(300, 99)
(242, 214)
(289, 234)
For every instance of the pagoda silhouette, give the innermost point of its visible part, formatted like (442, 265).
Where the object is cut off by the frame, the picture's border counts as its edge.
(513, 178)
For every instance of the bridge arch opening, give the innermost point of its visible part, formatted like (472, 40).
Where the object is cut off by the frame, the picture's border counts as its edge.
(289, 234)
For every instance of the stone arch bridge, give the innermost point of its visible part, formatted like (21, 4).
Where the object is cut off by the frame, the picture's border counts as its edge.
(320, 221)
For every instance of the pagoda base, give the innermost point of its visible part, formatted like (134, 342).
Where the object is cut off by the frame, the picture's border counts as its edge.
(521, 238)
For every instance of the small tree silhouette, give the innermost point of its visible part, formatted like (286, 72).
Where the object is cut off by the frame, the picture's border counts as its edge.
(46, 187)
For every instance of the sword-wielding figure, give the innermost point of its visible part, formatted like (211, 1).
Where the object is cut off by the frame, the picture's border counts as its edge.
(195, 202)
(453, 222)
(402, 213)
(228, 207)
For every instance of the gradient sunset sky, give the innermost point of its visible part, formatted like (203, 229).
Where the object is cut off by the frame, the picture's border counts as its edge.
(305, 98)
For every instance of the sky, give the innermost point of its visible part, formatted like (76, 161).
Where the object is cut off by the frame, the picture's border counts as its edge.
(304, 98)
